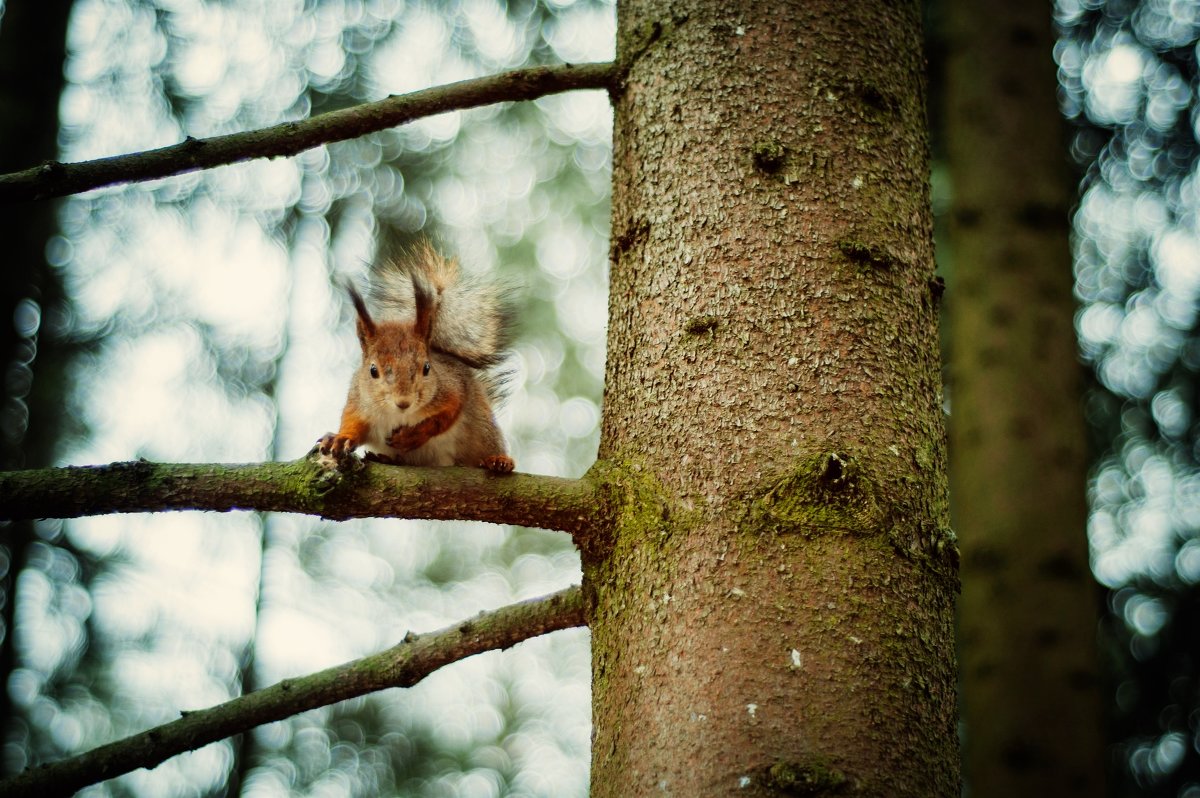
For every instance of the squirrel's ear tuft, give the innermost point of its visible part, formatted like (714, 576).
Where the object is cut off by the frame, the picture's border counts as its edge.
(426, 302)
(365, 325)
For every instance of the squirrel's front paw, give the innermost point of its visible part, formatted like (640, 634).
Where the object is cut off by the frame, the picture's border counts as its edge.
(500, 463)
(337, 445)
(405, 439)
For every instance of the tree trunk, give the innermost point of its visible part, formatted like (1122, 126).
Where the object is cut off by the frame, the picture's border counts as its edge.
(33, 41)
(773, 613)
(1028, 615)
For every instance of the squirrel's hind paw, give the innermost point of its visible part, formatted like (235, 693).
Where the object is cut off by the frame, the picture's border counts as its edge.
(499, 463)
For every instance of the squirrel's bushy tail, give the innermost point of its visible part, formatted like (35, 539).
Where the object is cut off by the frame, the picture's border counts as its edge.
(474, 318)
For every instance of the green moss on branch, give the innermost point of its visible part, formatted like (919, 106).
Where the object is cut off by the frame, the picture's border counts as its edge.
(308, 486)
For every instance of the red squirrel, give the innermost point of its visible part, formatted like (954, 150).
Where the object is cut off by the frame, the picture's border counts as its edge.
(424, 391)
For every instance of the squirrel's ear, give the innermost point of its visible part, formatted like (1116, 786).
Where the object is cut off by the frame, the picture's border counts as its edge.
(425, 301)
(365, 325)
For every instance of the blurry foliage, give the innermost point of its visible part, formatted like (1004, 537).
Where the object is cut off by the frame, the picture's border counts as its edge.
(1128, 75)
(219, 333)
(220, 336)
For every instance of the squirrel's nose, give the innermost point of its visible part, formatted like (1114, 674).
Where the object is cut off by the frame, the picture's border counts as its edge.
(404, 404)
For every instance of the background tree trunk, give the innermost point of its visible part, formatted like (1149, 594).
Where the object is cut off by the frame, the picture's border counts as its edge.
(1029, 606)
(774, 610)
(32, 50)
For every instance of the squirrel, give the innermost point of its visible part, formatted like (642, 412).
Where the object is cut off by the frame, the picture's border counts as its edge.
(424, 391)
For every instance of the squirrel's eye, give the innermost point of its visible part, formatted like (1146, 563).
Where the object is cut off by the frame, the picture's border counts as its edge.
(426, 371)
(374, 371)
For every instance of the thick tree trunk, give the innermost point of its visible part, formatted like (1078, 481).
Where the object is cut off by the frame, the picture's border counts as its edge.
(1028, 614)
(773, 613)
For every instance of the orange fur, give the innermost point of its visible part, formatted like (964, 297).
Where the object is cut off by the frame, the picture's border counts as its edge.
(422, 394)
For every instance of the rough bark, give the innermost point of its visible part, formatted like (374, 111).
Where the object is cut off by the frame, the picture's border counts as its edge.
(773, 611)
(1028, 612)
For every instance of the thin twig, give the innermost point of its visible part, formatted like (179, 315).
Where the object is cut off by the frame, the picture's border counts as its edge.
(53, 179)
(401, 666)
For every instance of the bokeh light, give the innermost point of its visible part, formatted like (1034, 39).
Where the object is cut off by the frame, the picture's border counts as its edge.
(1128, 77)
(212, 328)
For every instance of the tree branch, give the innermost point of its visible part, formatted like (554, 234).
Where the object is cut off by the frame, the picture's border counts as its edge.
(401, 666)
(53, 179)
(308, 486)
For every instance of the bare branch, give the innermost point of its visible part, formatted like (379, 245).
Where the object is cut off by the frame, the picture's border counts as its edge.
(401, 666)
(53, 179)
(358, 490)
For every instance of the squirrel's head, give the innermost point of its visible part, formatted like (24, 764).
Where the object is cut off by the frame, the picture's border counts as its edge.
(397, 370)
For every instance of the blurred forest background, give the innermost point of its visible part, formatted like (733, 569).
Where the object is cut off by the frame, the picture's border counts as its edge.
(197, 319)
(202, 323)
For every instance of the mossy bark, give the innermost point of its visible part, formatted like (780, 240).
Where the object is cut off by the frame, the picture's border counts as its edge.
(772, 614)
(310, 485)
(1028, 613)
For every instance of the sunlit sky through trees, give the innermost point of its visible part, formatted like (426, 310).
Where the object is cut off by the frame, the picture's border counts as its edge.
(213, 330)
